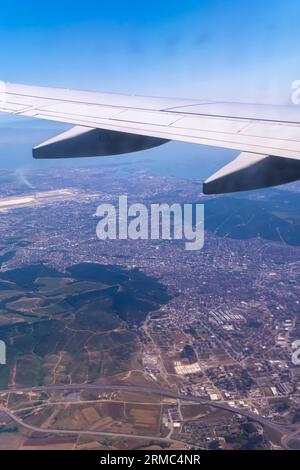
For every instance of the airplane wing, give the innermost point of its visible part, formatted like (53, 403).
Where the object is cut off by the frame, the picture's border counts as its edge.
(267, 136)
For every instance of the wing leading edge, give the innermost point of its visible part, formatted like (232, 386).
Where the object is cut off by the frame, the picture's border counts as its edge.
(109, 124)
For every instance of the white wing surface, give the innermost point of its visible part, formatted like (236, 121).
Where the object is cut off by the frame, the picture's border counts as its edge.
(108, 124)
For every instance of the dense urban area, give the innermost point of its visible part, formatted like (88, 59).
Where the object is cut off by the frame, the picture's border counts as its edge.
(123, 344)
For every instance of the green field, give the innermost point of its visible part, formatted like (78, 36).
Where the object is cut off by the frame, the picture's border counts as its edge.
(73, 327)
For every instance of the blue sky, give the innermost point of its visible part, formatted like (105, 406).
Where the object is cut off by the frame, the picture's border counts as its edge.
(219, 49)
(232, 49)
